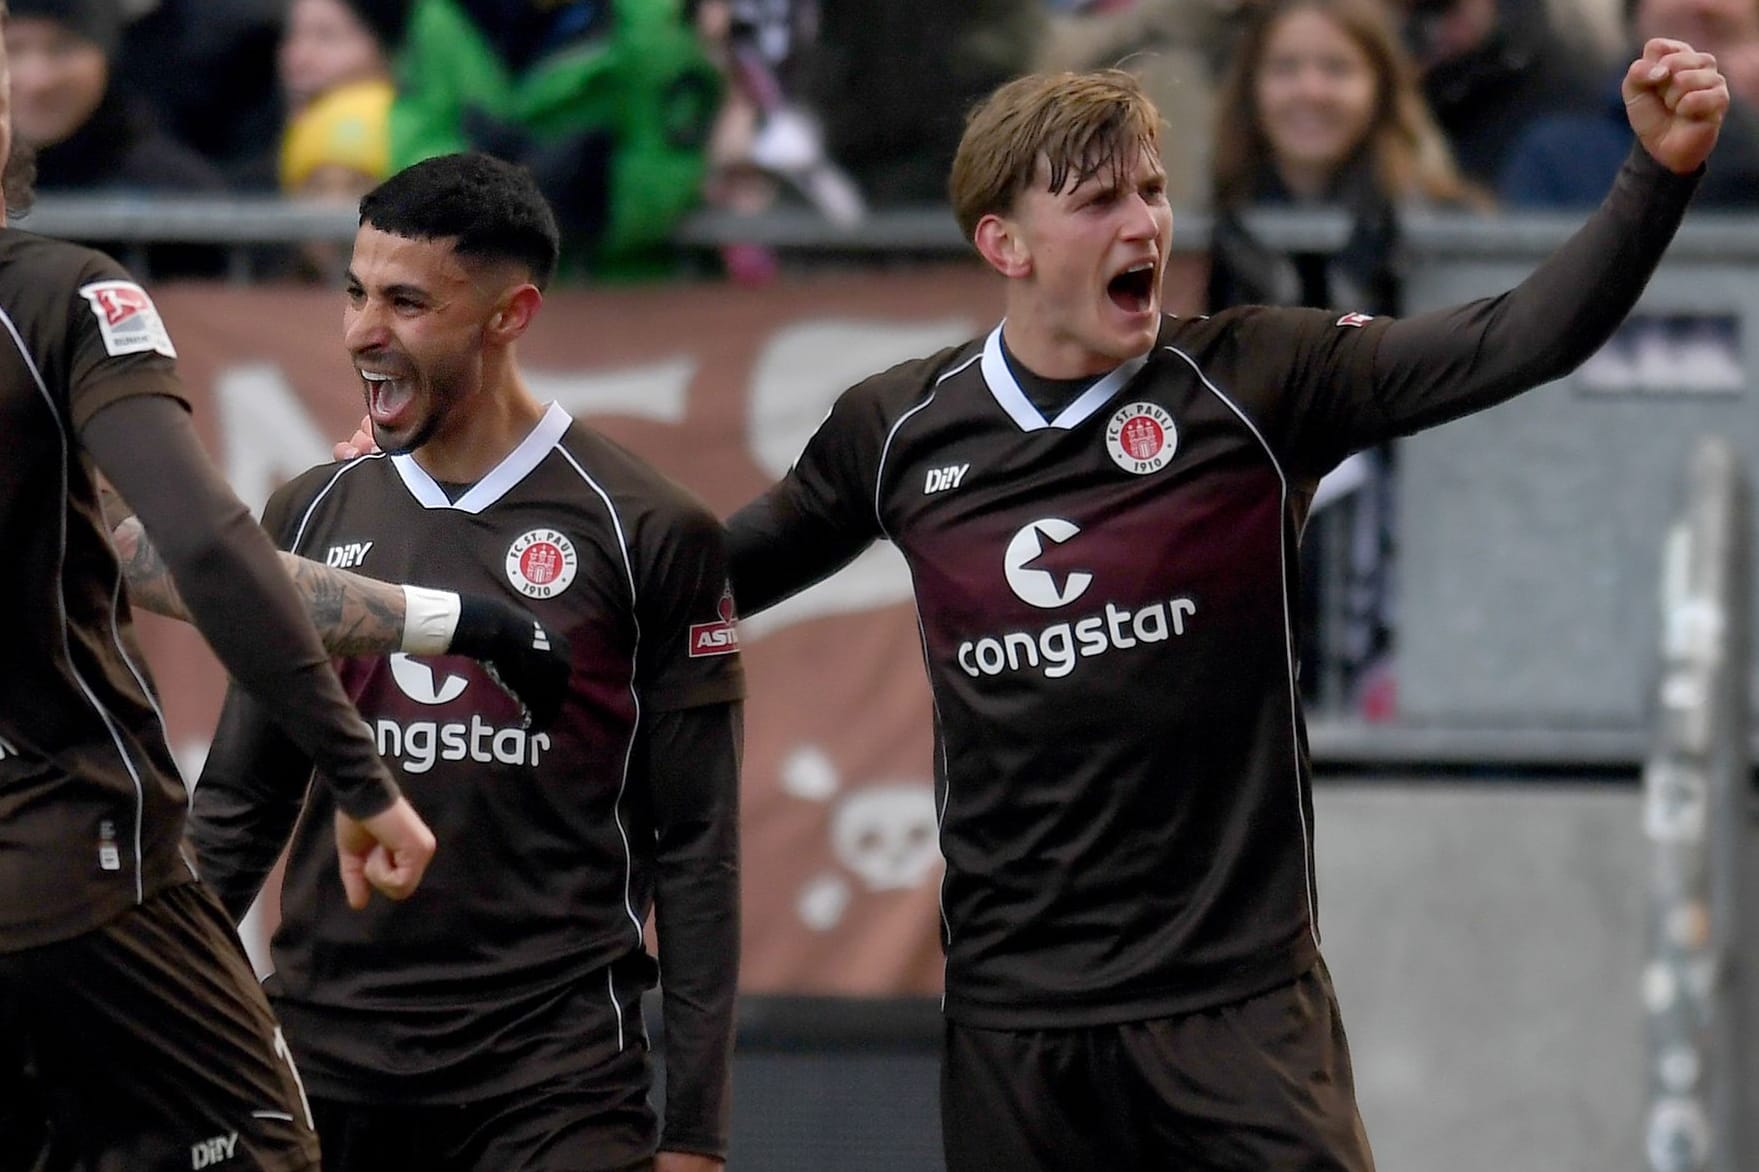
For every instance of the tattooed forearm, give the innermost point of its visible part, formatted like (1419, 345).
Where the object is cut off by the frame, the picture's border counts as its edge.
(354, 615)
(149, 580)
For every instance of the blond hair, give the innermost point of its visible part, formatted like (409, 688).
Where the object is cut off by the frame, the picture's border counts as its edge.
(1407, 151)
(1080, 124)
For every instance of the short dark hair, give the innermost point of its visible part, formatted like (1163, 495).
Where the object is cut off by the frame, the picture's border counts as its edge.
(490, 210)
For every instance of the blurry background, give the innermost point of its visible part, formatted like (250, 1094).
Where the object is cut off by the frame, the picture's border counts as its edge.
(1508, 771)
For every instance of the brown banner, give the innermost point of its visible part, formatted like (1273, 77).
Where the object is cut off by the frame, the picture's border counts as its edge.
(719, 387)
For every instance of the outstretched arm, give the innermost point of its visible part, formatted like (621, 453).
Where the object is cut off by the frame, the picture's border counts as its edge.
(357, 615)
(354, 615)
(1439, 365)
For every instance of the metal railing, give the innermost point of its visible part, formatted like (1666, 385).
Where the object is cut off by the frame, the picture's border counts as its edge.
(1695, 802)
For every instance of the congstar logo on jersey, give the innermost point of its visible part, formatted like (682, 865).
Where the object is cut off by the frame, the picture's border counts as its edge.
(418, 744)
(1043, 568)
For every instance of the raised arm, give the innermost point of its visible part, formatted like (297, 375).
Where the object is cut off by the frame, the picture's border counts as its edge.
(1436, 366)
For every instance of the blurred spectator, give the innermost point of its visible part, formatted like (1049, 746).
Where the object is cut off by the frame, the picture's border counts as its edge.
(336, 148)
(1175, 48)
(328, 43)
(1729, 29)
(1490, 67)
(88, 133)
(763, 135)
(1559, 159)
(1320, 108)
(608, 102)
(893, 79)
(207, 69)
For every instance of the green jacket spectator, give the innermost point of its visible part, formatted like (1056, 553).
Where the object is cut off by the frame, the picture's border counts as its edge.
(608, 102)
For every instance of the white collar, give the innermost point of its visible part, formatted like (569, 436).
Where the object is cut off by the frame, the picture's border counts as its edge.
(501, 479)
(1013, 400)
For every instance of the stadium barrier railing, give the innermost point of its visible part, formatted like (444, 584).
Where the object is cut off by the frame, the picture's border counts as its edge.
(1696, 795)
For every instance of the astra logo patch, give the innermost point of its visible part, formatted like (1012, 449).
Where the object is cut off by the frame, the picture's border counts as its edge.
(415, 679)
(347, 555)
(541, 563)
(1037, 566)
(127, 319)
(1355, 319)
(1141, 438)
(720, 637)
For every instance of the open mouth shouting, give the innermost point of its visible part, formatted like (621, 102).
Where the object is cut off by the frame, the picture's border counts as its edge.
(388, 398)
(1133, 288)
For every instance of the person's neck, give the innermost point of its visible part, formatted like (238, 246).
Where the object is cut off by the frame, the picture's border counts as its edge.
(489, 429)
(1306, 181)
(1043, 351)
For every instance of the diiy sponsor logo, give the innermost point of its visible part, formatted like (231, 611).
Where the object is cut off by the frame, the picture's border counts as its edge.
(347, 555)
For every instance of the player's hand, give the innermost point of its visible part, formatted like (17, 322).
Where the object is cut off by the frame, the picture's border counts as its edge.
(361, 443)
(528, 660)
(687, 1162)
(388, 851)
(1676, 100)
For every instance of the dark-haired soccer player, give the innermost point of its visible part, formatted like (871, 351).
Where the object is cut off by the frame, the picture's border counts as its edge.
(132, 1032)
(1101, 508)
(495, 1022)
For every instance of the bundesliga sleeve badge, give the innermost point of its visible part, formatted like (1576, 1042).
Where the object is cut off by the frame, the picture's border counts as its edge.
(127, 319)
(541, 563)
(1141, 438)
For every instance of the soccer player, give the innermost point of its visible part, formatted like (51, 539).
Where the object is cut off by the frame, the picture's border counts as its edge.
(1101, 508)
(494, 1021)
(132, 1031)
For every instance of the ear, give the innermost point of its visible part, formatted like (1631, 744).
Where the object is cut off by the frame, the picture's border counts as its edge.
(513, 313)
(1001, 242)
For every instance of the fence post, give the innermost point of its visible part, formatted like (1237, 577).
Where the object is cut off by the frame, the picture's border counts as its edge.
(1695, 790)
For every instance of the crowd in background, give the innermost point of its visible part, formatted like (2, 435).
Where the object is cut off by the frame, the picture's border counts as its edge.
(633, 113)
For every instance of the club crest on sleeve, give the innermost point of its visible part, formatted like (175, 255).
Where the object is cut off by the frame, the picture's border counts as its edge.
(1141, 438)
(127, 319)
(1355, 319)
(541, 563)
(720, 637)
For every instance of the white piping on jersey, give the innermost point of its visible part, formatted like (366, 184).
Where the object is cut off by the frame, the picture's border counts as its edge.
(1288, 633)
(140, 679)
(879, 475)
(922, 635)
(635, 698)
(502, 478)
(61, 607)
(1026, 417)
(305, 519)
(611, 984)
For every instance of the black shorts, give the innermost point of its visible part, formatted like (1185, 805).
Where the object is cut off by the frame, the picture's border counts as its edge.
(1263, 1083)
(597, 1120)
(146, 1045)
